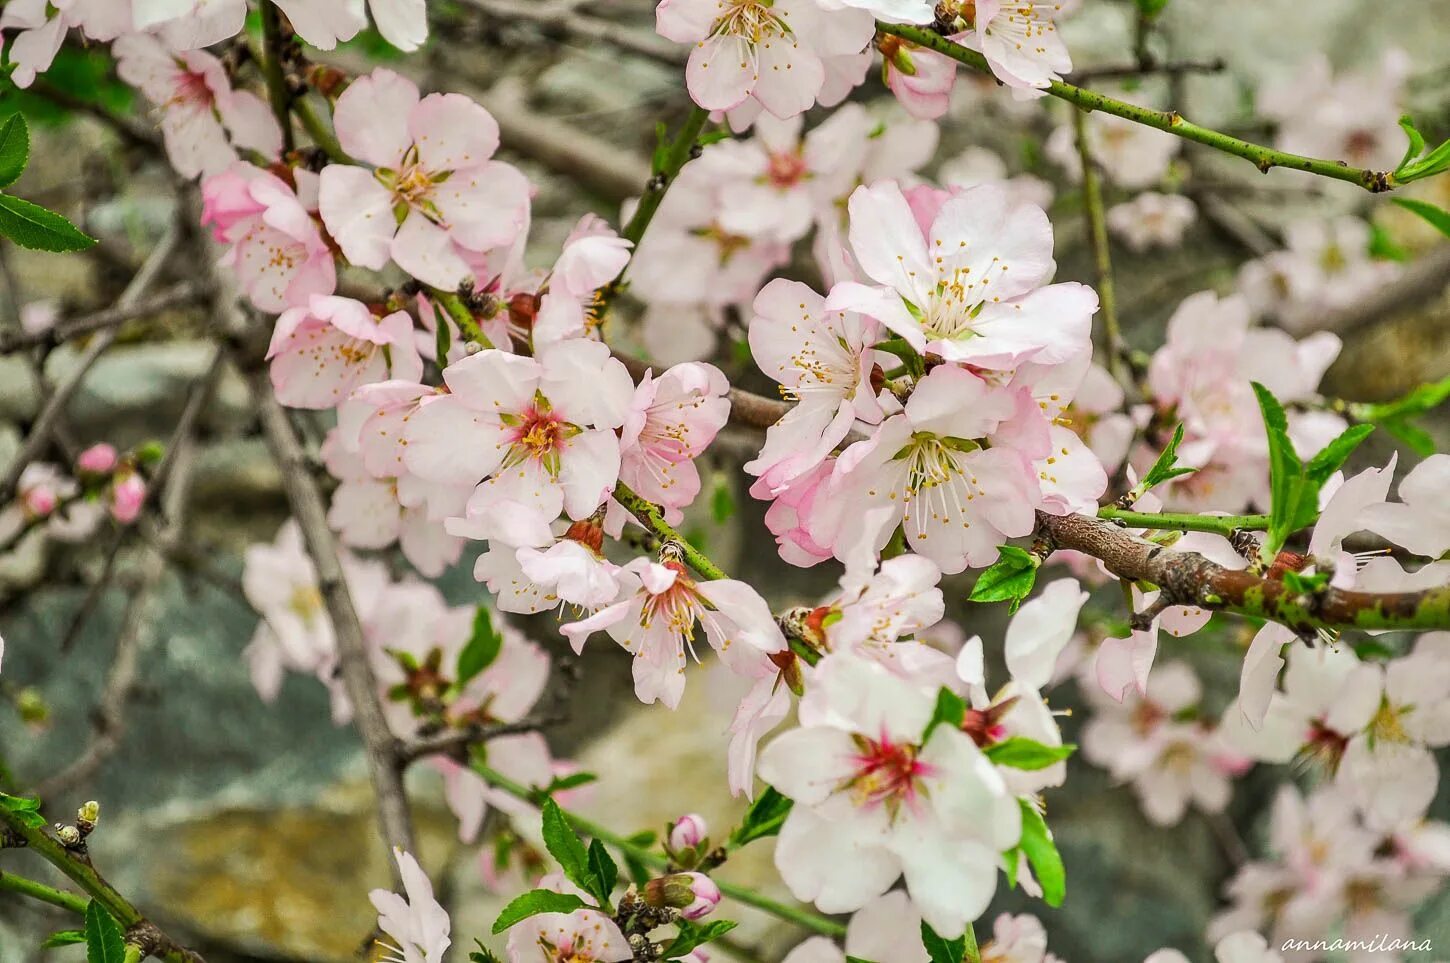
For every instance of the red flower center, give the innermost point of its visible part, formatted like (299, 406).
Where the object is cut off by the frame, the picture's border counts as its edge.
(887, 773)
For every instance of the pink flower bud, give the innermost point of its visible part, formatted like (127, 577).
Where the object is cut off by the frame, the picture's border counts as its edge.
(127, 495)
(688, 831)
(97, 459)
(40, 501)
(693, 894)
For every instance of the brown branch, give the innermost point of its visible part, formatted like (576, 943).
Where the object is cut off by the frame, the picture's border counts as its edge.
(452, 741)
(747, 409)
(1170, 68)
(187, 292)
(357, 675)
(560, 21)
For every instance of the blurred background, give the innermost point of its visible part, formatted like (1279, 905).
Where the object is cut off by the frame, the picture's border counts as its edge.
(248, 827)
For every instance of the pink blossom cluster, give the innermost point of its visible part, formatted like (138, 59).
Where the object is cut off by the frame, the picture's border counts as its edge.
(70, 507)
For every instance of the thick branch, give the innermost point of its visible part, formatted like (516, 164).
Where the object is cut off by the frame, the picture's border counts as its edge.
(1168, 121)
(357, 675)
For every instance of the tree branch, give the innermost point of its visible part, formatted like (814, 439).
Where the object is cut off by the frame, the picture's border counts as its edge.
(187, 292)
(1097, 230)
(1168, 121)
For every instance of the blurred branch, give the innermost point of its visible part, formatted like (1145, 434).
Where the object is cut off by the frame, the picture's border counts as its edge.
(185, 293)
(1212, 65)
(450, 742)
(1097, 229)
(560, 21)
(1423, 280)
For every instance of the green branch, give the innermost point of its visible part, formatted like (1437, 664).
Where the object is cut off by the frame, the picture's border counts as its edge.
(46, 894)
(1168, 121)
(652, 517)
(1224, 525)
(462, 316)
(321, 134)
(277, 93)
(800, 916)
(667, 168)
(1097, 224)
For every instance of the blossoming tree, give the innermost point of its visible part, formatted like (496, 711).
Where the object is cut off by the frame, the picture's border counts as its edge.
(952, 419)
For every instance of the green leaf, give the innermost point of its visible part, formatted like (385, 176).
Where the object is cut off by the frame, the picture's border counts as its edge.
(27, 808)
(950, 710)
(904, 351)
(483, 647)
(858, 959)
(1332, 456)
(1416, 146)
(14, 149)
(1438, 217)
(1151, 8)
(572, 781)
(1042, 855)
(32, 226)
(942, 950)
(722, 500)
(63, 938)
(1416, 401)
(1297, 582)
(1419, 440)
(1382, 247)
(483, 954)
(442, 338)
(105, 943)
(1287, 481)
(1165, 468)
(692, 935)
(1009, 579)
(603, 871)
(564, 845)
(532, 903)
(762, 819)
(1020, 752)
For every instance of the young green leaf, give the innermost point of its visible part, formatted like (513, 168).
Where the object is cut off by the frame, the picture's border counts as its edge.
(1164, 469)
(564, 846)
(533, 902)
(483, 954)
(63, 938)
(572, 781)
(762, 819)
(1009, 579)
(1287, 481)
(1302, 584)
(1042, 855)
(483, 647)
(1416, 146)
(105, 943)
(14, 149)
(940, 949)
(603, 872)
(27, 808)
(950, 710)
(1332, 456)
(1382, 247)
(32, 226)
(692, 935)
(1437, 217)
(1020, 752)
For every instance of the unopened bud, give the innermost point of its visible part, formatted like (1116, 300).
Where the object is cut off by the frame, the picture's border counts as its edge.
(68, 836)
(693, 894)
(97, 459)
(688, 831)
(88, 815)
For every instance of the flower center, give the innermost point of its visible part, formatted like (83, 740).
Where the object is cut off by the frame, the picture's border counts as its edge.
(540, 434)
(306, 602)
(751, 20)
(786, 169)
(412, 185)
(887, 773)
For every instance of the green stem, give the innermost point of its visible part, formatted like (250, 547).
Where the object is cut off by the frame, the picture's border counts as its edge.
(1168, 121)
(133, 954)
(322, 135)
(39, 891)
(1097, 224)
(1224, 525)
(675, 158)
(462, 316)
(794, 914)
(277, 92)
(973, 954)
(652, 518)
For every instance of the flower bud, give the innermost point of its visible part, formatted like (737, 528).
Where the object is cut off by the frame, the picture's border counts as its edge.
(127, 496)
(89, 813)
(97, 459)
(693, 894)
(688, 831)
(40, 501)
(68, 836)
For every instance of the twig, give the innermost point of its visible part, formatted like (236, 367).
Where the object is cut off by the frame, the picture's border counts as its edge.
(187, 292)
(1224, 525)
(1212, 65)
(447, 743)
(561, 21)
(54, 407)
(277, 93)
(1168, 121)
(37, 890)
(1097, 228)
(357, 674)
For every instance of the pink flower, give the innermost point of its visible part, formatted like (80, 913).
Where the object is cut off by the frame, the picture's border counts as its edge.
(435, 193)
(1152, 220)
(593, 255)
(321, 352)
(872, 802)
(655, 622)
(822, 360)
(923, 470)
(203, 120)
(1353, 116)
(41, 488)
(98, 459)
(790, 515)
(583, 936)
(277, 252)
(770, 51)
(968, 285)
(128, 494)
(418, 925)
(695, 895)
(324, 23)
(921, 79)
(538, 432)
(1020, 41)
(672, 419)
(1132, 155)
(688, 831)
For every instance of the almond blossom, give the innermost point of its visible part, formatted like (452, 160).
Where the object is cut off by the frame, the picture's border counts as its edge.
(278, 253)
(1152, 220)
(873, 802)
(885, 930)
(654, 620)
(203, 120)
(418, 925)
(672, 419)
(583, 936)
(772, 51)
(321, 352)
(538, 432)
(593, 255)
(966, 283)
(1420, 521)
(435, 192)
(323, 23)
(1019, 39)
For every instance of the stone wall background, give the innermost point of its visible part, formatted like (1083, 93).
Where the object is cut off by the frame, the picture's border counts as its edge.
(249, 826)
